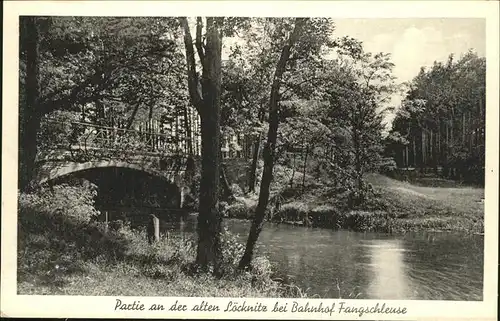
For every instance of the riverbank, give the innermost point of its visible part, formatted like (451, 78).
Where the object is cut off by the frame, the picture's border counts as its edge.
(62, 252)
(414, 207)
(394, 206)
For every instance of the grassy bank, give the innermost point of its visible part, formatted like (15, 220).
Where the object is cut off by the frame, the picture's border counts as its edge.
(439, 208)
(61, 251)
(394, 206)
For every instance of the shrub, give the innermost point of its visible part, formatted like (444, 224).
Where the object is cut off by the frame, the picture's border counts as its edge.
(74, 202)
(232, 251)
(294, 211)
(240, 210)
(325, 216)
(366, 221)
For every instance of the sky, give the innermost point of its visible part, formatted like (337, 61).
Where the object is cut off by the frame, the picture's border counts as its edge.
(414, 43)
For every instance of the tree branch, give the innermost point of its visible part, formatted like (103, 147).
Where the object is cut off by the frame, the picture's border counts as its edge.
(199, 42)
(193, 81)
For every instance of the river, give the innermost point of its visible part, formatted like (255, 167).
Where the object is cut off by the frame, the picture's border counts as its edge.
(418, 266)
(333, 264)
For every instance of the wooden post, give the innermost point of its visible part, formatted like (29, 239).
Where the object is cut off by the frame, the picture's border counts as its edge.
(153, 229)
(106, 222)
(182, 196)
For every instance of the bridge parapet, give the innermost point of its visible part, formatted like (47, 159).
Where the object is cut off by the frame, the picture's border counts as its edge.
(88, 137)
(89, 146)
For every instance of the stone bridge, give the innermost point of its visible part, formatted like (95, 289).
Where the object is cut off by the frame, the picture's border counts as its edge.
(94, 146)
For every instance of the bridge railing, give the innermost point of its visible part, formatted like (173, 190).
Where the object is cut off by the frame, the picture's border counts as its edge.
(89, 136)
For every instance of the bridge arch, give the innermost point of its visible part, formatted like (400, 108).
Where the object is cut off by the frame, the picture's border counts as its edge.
(52, 171)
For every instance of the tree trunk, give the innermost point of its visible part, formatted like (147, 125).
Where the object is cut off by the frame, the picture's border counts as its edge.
(414, 153)
(407, 163)
(32, 114)
(463, 129)
(423, 149)
(187, 126)
(253, 168)
(357, 158)
(208, 105)
(209, 219)
(226, 188)
(293, 170)
(269, 148)
(305, 169)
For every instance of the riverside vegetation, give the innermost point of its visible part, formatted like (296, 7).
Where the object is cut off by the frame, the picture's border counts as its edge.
(391, 205)
(314, 133)
(62, 249)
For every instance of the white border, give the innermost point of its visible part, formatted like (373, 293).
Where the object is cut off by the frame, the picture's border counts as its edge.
(81, 306)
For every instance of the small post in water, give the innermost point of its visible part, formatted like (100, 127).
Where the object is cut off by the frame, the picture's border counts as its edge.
(153, 229)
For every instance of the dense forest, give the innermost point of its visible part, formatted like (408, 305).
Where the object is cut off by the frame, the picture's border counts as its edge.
(297, 96)
(441, 123)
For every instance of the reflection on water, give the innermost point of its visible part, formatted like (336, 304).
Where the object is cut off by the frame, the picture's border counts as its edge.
(388, 270)
(421, 266)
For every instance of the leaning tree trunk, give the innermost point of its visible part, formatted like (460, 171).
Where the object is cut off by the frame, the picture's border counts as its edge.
(32, 114)
(253, 167)
(269, 148)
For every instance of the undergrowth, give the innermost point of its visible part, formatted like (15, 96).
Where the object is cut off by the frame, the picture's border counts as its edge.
(62, 249)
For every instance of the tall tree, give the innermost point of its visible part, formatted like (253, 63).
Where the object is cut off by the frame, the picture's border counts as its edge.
(207, 103)
(358, 102)
(269, 148)
(31, 115)
(442, 117)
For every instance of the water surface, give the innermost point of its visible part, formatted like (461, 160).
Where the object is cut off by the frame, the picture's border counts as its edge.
(420, 266)
(332, 264)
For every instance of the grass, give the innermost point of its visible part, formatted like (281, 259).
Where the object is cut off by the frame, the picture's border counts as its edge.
(63, 255)
(397, 206)
(437, 208)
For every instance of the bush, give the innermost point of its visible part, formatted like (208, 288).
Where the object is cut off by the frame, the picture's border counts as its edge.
(325, 216)
(294, 211)
(362, 221)
(236, 190)
(74, 202)
(232, 251)
(240, 210)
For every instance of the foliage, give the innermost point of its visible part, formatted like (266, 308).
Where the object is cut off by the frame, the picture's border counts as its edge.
(73, 202)
(114, 62)
(294, 211)
(59, 132)
(59, 254)
(240, 210)
(442, 119)
(232, 250)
